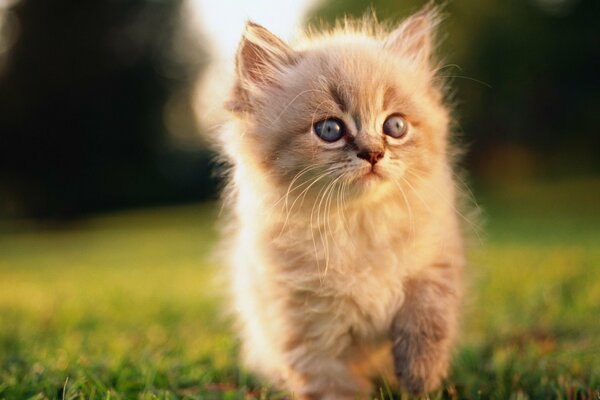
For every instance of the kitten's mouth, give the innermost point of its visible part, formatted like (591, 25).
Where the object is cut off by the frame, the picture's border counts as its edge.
(371, 174)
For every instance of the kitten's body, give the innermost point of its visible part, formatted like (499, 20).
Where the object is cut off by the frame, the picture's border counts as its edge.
(343, 269)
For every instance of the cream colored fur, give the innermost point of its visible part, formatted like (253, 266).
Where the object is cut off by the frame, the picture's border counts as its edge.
(340, 276)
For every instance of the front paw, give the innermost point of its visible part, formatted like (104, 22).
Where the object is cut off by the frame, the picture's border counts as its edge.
(420, 364)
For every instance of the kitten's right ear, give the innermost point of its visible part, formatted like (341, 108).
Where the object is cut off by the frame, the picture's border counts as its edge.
(260, 56)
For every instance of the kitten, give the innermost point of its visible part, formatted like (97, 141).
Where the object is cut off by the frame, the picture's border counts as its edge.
(345, 245)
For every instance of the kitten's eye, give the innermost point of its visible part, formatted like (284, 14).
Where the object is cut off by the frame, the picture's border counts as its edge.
(395, 126)
(330, 130)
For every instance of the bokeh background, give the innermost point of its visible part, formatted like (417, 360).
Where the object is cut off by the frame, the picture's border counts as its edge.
(107, 192)
(97, 99)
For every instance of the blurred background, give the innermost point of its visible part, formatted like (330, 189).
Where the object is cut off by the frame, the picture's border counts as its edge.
(108, 209)
(103, 105)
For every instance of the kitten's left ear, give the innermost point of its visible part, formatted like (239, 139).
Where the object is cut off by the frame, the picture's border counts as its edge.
(414, 38)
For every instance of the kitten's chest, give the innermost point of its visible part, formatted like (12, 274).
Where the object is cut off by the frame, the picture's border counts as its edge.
(357, 250)
(362, 244)
(369, 292)
(361, 270)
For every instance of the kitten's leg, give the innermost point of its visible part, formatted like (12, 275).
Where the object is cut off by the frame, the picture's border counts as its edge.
(317, 365)
(326, 379)
(424, 328)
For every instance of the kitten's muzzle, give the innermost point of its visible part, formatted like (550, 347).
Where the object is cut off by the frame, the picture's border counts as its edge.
(370, 155)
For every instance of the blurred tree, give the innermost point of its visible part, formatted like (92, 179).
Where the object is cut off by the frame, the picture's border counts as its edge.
(81, 110)
(525, 73)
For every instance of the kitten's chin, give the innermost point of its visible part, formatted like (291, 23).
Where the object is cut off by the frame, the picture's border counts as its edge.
(370, 181)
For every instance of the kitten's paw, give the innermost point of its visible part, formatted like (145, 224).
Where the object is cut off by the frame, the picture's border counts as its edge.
(420, 369)
(331, 396)
(418, 380)
(417, 383)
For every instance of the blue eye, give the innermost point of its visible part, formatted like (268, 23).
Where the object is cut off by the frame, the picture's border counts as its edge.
(395, 126)
(330, 130)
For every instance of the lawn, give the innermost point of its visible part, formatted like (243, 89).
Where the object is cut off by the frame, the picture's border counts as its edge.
(131, 304)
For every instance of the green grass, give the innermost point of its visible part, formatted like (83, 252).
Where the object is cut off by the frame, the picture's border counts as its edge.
(129, 305)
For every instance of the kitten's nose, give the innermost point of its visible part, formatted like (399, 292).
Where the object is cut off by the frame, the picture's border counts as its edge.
(371, 156)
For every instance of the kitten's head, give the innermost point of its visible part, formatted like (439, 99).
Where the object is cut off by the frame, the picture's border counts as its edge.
(358, 106)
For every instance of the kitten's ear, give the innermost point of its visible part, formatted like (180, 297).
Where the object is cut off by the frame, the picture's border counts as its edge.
(261, 54)
(414, 38)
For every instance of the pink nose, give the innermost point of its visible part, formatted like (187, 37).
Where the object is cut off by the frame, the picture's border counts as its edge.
(372, 156)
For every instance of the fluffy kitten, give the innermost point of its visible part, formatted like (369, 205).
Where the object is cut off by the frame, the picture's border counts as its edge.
(345, 244)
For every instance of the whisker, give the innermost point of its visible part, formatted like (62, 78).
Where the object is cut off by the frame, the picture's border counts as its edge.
(476, 228)
(328, 205)
(468, 78)
(410, 213)
(302, 195)
(323, 232)
(342, 210)
(296, 177)
(416, 193)
(312, 230)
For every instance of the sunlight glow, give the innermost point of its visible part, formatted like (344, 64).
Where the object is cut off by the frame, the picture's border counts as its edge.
(221, 23)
